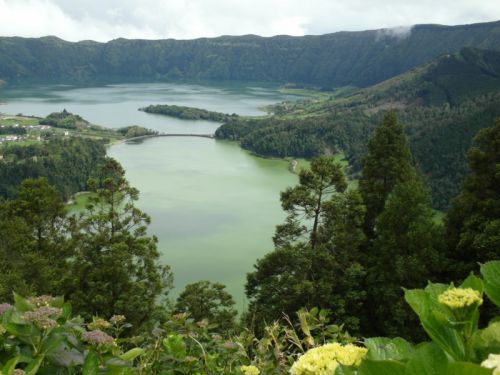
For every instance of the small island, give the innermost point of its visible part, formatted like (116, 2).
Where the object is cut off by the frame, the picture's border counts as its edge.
(188, 113)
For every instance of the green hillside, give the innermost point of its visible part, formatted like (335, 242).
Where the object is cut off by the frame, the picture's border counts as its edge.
(331, 60)
(443, 104)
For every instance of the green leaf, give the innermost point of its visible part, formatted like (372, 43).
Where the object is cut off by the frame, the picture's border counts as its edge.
(132, 354)
(380, 348)
(429, 359)
(57, 302)
(175, 346)
(51, 343)
(467, 368)
(433, 318)
(120, 371)
(22, 304)
(487, 340)
(66, 358)
(34, 365)
(491, 275)
(91, 364)
(346, 370)
(473, 282)
(66, 311)
(10, 366)
(25, 333)
(386, 367)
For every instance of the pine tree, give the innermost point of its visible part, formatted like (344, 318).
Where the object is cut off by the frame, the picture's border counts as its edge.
(321, 269)
(387, 162)
(115, 269)
(305, 202)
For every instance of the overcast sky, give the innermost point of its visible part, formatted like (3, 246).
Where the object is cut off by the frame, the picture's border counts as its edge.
(103, 20)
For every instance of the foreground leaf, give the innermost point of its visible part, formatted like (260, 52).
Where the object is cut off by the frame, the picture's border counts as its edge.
(433, 318)
(380, 348)
(91, 364)
(385, 367)
(132, 354)
(491, 275)
(429, 359)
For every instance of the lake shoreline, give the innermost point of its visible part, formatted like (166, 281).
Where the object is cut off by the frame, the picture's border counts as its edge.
(203, 197)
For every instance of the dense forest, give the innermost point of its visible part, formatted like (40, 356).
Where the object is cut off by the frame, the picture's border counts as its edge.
(331, 60)
(442, 104)
(348, 264)
(67, 163)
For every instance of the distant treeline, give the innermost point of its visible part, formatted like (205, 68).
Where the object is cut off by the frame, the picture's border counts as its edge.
(331, 60)
(187, 113)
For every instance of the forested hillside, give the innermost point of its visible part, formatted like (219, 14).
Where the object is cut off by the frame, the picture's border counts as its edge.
(443, 104)
(66, 163)
(331, 60)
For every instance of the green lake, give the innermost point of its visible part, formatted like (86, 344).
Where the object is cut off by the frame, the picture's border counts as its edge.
(213, 205)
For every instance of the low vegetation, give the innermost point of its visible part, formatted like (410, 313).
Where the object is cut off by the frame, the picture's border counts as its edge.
(39, 336)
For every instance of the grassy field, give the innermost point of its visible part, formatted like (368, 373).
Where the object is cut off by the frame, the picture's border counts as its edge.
(79, 203)
(316, 93)
(22, 121)
(309, 93)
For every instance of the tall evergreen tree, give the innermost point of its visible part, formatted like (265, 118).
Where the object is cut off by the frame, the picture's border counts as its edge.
(305, 202)
(116, 267)
(34, 245)
(406, 246)
(406, 253)
(387, 162)
(473, 221)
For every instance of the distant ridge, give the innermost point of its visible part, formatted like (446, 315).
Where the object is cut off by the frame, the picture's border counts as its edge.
(443, 104)
(359, 58)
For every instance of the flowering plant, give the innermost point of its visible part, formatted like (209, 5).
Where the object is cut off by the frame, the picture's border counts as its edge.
(38, 336)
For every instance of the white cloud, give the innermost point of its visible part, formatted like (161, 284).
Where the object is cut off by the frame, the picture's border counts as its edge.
(152, 19)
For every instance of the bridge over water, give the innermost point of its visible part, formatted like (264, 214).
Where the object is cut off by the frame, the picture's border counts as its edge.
(211, 136)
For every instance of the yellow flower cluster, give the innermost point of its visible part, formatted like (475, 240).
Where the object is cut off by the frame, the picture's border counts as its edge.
(325, 359)
(457, 298)
(99, 323)
(493, 362)
(250, 370)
